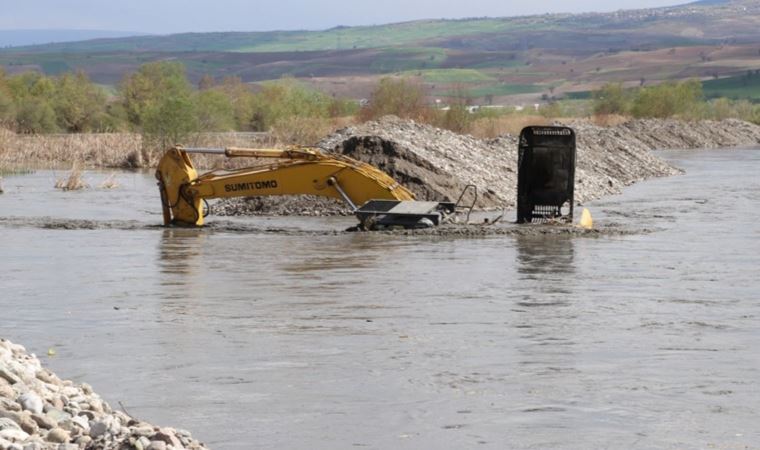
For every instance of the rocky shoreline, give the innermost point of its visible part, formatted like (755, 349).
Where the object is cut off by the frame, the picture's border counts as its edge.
(39, 411)
(437, 164)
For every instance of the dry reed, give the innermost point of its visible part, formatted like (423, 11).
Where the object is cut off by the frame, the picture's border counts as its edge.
(491, 127)
(110, 182)
(73, 182)
(305, 131)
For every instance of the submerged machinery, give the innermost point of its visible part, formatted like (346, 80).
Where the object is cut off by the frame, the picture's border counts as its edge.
(546, 177)
(377, 200)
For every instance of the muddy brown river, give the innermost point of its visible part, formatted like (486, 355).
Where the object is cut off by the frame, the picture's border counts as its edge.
(301, 340)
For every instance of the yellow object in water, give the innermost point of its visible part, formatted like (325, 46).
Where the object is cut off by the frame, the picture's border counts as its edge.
(51, 352)
(586, 221)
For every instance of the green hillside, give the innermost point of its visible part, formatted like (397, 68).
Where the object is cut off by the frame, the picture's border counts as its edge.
(745, 86)
(485, 57)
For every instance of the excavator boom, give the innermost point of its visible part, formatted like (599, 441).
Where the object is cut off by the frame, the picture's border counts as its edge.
(296, 171)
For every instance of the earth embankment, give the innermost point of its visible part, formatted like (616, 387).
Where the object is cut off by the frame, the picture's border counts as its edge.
(437, 164)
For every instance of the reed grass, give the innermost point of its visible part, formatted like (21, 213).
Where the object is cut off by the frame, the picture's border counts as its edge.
(73, 182)
(491, 127)
(110, 182)
(107, 150)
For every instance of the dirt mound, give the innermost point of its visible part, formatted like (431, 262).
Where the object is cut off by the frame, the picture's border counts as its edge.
(437, 164)
(297, 205)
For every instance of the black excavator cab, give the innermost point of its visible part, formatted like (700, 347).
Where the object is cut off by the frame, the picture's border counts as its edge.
(545, 175)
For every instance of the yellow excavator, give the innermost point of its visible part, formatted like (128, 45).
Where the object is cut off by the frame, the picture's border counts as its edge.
(376, 198)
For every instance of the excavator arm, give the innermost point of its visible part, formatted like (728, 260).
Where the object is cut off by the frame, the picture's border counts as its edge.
(296, 171)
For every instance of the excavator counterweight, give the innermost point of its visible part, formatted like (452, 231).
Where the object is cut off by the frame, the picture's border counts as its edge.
(295, 171)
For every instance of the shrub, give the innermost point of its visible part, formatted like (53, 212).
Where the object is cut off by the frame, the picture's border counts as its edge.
(296, 130)
(79, 105)
(214, 111)
(241, 100)
(284, 99)
(400, 97)
(36, 115)
(611, 99)
(669, 99)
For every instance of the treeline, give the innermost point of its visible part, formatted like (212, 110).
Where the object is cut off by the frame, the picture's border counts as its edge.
(683, 100)
(157, 100)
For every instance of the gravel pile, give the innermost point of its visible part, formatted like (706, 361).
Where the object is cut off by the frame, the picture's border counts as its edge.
(39, 411)
(437, 164)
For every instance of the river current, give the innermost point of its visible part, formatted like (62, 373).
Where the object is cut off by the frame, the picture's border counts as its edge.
(364, 340)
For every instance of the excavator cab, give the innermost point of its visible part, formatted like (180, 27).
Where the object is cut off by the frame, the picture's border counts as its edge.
(546, 174)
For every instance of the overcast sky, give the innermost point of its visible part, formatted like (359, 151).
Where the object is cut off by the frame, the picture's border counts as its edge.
(172, 16)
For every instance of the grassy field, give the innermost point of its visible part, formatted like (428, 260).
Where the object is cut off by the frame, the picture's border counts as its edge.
(450, 76)
(489, 56)
(338, 38)
(504, 89)
(740, 87)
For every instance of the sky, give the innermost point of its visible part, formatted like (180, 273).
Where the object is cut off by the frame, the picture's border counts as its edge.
(173, 16)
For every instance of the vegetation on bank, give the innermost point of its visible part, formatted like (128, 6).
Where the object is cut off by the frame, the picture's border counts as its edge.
(159, 103)
(684, 100)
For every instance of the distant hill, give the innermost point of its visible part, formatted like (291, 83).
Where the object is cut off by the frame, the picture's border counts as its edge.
(17, 38)
(545, 55)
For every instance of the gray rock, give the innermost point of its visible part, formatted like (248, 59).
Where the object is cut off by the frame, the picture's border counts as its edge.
(82, 422)
(13, 434)
(7, 404)
(74, 417)
(96, 405)
(88, 414)
(57, 435)
(45, 376)
(7, 375)
(23, 419)
(143, 430)
(168, 437)
(6, 391)
(31, 402)
(142, 443)
(57, 415)
(157, 445)
(98, 428)
(44, 421)
(6, 423)
(27, 423)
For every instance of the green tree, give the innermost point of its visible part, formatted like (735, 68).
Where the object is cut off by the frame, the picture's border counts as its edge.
(457, 118)
(35, 115)
(214, 111)
(32, 93)
(169, 121)
(400, 97)
(7, 103)
(241, 99)
(79, 104)
(152, 88)
(669, 99)
(287, 98)
(611, 99)
(158, 100)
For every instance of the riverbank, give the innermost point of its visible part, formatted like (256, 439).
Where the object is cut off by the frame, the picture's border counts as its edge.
(437, 164)
(433, 163)
(40, 411)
